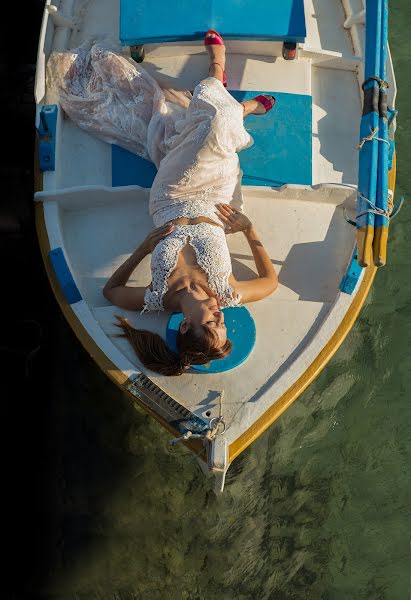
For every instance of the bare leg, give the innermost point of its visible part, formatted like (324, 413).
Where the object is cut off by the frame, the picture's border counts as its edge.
(217, 55)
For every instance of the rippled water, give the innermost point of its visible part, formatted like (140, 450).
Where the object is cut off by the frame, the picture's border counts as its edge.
(317, 508)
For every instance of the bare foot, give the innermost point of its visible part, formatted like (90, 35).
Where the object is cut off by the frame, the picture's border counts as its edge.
(254, 107)
(216, 53)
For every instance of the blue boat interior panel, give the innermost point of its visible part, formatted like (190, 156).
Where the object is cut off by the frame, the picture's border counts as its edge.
(352, 275)
(64, 276)
(180, 20)
(129, 169)
(281, 153)
(282, 149)
(46, 132)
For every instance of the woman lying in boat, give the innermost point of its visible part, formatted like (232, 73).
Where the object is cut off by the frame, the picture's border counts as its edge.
(192, 205)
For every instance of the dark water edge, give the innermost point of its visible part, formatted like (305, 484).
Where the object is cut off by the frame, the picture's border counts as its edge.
(96, 505)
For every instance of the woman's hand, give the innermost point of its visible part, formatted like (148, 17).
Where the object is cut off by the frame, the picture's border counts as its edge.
(156, 236)
(233, 219)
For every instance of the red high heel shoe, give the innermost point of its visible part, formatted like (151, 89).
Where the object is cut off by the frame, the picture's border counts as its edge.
(215, 41)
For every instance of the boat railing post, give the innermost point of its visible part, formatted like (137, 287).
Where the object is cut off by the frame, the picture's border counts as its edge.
(355, 19)
(59, 20)
(218, 461)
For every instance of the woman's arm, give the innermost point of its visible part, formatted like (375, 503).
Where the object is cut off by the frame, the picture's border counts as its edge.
(116, 290)
(267, 281)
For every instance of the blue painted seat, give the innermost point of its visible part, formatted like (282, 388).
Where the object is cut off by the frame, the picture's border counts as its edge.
(145, 21)
(282, 150)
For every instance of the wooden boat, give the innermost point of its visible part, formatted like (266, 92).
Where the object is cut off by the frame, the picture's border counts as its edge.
(91, 200)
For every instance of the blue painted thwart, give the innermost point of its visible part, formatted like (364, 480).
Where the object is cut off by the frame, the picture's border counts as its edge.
(143, 22)
(282, 149)
(129, 169)
(281, 153)
(240, 331)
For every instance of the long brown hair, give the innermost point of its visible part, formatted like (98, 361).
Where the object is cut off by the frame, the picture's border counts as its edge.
(193, 349)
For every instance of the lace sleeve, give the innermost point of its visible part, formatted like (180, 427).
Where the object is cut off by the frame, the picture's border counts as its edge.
(232, 299)
(153, 301)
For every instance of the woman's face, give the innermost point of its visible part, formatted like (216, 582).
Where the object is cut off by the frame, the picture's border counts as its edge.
(206, 313)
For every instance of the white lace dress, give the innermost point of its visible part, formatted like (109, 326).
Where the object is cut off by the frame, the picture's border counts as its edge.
(192, 139)
(201, 167)
(213, 257)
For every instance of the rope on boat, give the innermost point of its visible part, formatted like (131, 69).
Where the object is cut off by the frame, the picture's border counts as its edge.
(216, 426)
(376, 210)
(371, 137)
(389, 214)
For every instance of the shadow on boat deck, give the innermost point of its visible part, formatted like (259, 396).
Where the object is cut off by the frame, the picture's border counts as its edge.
(313, 269)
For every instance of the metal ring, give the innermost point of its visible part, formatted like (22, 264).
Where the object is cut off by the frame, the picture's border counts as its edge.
(219, 420)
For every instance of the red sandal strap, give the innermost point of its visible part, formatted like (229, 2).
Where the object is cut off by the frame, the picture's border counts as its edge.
(216, 63)
(265, 102)
(224, 73)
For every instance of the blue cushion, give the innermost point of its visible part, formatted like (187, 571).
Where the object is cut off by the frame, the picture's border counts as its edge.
(142, 21)
(281, 152)
(240, 331)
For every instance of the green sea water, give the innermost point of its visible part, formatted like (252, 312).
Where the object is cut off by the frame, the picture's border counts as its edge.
(318, 508)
